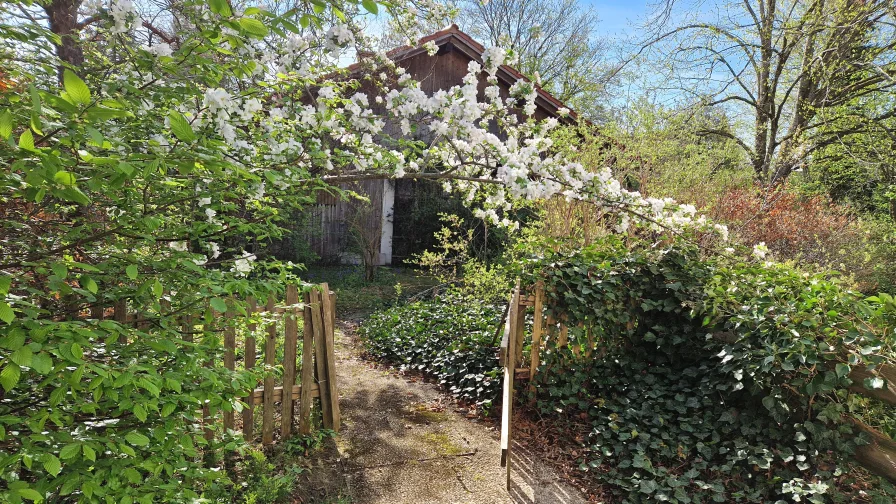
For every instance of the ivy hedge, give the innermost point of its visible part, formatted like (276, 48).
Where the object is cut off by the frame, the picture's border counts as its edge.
(717, 377)
(450, 339)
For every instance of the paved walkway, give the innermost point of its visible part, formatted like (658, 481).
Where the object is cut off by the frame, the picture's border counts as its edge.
(405, 441)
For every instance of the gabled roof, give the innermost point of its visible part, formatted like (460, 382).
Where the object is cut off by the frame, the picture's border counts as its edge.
(455, 38)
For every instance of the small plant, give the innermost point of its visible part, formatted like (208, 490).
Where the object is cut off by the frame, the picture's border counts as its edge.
(304, 445)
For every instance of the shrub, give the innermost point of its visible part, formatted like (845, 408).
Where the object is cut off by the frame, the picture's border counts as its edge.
(450, 339)
(723, 379)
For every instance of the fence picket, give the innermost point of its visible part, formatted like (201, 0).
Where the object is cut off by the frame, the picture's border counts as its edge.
(267, 407)
(229, 360)
(249, 363)
(307, 367)
(289, 357)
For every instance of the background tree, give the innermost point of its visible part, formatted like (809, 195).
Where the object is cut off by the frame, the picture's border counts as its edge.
(788, 66)
(556, 42)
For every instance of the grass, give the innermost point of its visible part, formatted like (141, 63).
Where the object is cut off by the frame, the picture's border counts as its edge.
(355, 295)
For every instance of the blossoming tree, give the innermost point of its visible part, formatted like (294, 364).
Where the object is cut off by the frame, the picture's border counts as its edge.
(145, 163)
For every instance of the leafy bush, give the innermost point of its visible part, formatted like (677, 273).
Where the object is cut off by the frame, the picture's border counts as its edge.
(723, 379)
(450, 339)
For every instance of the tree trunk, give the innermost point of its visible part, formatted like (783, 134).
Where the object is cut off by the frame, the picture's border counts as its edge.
(63, 15)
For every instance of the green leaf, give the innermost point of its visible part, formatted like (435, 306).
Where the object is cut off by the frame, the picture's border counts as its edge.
(26, 140)
(768, 402)
(65, 178)
(131, 271)
(5, 283)
(6, 313)
(371, 6)
(77, 352)
(140, 412)
(221, 7)
(218, 305)
(181, 127)
(842, 370)
(137, 439)
(69, 451)
(42, 363)
(254, 27)
(30, 494)
(5, 124)
(90, 284)
(89, 453)
(22, 356)
(52, 464)
(157, 289)
(9, 377)
(75, 87)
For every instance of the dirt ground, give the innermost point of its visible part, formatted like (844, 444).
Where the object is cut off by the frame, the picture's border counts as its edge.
(405, 441)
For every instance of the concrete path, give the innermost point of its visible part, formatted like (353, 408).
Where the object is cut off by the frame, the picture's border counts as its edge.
(405, 441)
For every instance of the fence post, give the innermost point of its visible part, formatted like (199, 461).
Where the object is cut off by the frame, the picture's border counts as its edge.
(290, 341)
(267, 406)
(320, 358)
(329, 317)
(513, 319)
(248, 364)
(535, 354)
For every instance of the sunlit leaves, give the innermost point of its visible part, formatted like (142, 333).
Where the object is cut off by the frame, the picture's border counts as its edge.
(137, 439)
(221, 7)
(5, 124)
(370, 6)
(181, 127)
(75, 88)
(254, 27)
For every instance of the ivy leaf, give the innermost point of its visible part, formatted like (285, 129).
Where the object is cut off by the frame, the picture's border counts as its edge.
(52, 464)
(370, 6)
(6, 313)
(220, 7)
(218, 305)
(181, 127)
(768, 402)
(137, 439)
(75, 87)
(842, 370)
(254, 27)
(131, 271)
(5, 124)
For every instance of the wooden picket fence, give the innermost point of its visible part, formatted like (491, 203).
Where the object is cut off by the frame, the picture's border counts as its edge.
(318, 367)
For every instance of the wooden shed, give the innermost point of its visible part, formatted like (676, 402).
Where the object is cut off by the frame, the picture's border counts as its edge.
(335, 221)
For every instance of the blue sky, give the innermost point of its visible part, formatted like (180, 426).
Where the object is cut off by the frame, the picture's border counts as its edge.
(618, 17)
